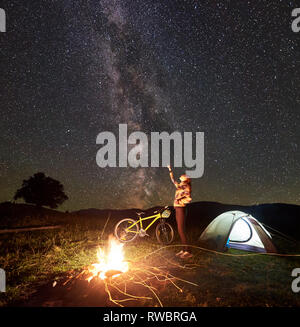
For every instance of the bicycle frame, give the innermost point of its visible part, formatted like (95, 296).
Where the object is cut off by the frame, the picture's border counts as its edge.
(140, 221)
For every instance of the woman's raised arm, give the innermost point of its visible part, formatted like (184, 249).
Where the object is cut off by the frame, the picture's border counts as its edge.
(172, 176)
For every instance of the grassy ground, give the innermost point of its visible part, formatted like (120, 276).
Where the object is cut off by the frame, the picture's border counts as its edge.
(32, 259)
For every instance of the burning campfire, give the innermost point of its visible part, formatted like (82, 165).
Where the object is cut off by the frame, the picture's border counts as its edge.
(124, 283)
(110, 262)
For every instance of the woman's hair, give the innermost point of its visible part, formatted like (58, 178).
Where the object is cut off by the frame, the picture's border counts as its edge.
(187, 178)
(186, 181)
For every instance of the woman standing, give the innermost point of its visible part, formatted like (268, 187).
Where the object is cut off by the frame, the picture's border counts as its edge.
(182, 197)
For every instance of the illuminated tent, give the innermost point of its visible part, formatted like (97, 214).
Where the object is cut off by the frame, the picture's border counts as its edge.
(238, 230)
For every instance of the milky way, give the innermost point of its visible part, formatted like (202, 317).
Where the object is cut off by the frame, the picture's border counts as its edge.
(72, 69)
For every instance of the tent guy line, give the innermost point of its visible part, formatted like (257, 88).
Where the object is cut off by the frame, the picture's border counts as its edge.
(217, 252)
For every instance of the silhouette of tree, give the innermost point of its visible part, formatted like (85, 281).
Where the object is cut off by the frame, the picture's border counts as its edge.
(42, 191)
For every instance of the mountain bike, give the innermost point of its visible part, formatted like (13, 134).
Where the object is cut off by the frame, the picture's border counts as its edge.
(126, 230)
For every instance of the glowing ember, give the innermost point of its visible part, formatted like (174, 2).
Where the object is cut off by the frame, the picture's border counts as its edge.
(110, 262)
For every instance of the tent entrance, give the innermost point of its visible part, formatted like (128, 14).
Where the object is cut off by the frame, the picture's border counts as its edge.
(245, 234)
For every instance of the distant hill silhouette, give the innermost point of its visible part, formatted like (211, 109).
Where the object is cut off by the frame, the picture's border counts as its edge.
(282, 217)
(15, 210)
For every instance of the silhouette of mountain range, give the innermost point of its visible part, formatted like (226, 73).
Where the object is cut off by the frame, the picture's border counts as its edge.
(280, 216)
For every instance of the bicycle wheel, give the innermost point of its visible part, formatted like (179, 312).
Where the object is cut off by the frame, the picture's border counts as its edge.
(122, 231)
(164, 233)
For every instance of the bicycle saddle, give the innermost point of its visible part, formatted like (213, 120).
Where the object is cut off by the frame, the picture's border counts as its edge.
(140, 213)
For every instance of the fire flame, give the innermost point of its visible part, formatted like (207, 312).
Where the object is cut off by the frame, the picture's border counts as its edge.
(110, 262)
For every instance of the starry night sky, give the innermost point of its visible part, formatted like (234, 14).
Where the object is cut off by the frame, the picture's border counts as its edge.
(72, 69)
